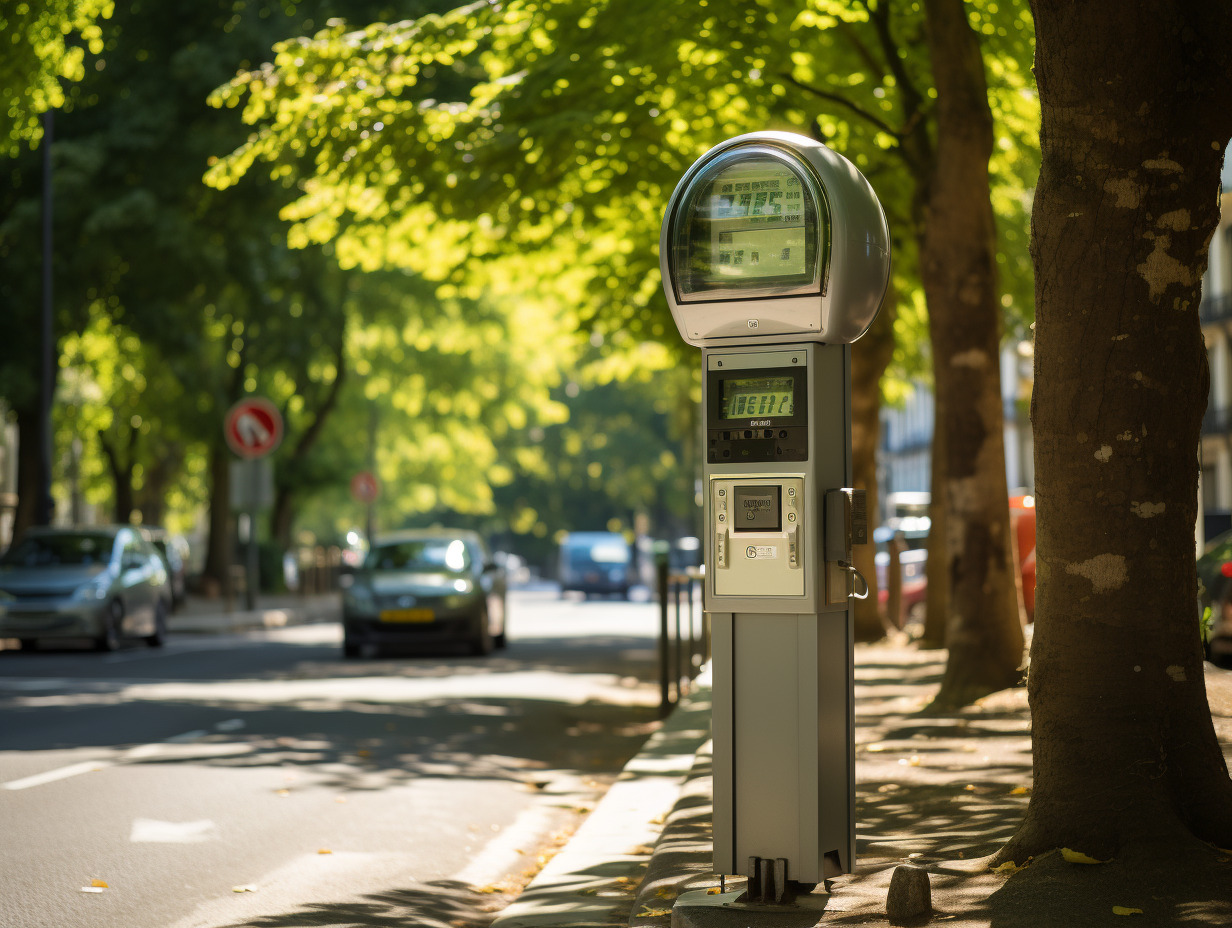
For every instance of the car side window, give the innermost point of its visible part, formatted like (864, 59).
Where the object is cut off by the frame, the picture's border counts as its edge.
(132, 551)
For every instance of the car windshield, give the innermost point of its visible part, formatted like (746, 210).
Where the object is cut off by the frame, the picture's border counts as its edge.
(601, 553)
(75, 549)
(434, 554)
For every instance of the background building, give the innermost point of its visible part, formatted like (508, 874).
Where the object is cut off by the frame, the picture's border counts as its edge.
(1215, 312)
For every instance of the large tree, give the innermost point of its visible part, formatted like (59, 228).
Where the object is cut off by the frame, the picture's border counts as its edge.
(578, 121)
(958, 266)
(45, 44)
(1127, 766)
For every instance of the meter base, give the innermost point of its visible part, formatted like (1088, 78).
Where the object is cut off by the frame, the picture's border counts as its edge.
(700, 909)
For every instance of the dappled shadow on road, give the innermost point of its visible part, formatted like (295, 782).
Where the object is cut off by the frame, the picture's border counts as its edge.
(438, 904)
(357, 746)
(582, 705)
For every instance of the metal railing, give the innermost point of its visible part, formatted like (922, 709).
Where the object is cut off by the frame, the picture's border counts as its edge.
(684, 632)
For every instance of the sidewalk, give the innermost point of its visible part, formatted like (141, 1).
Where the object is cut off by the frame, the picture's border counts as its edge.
(938, 791)
(198, 615)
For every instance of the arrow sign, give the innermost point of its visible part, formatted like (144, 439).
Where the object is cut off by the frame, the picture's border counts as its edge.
(253, 427)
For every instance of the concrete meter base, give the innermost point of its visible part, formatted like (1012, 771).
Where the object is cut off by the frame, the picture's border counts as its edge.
(784, 765)
(699, 909)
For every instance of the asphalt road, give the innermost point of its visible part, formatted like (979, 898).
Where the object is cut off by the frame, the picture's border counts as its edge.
(260, 780)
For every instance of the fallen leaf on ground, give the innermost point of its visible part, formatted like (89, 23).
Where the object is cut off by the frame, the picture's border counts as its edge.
(648, 912)
(1009, 867)
(666, 892)
(1125, 910)
(1020, 791)
(99, 884)
(1077, 857)
(247, 888)
(324, 850)
(283, 792)
(970, 787)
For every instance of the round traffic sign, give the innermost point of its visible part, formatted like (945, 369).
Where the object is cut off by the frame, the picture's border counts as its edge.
(253, 427)
(365, 487)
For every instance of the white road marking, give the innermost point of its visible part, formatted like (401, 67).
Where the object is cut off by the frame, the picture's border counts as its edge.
(60, 773)
(152, 831)
(513, 848)
(90, 766)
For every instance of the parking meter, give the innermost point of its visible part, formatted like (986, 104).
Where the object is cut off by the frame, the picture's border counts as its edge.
(775, 257)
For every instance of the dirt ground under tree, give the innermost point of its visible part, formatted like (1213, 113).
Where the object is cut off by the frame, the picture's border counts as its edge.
(945, 792)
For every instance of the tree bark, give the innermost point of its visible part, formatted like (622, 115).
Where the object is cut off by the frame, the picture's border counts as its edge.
(937, 603)
(869, 359)
(1135, 118)
(958, 269)
(29, 440)
(121, 478)
(217, 567)
(282, 518)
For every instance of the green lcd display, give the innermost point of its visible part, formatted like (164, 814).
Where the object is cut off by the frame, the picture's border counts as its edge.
(757, 397)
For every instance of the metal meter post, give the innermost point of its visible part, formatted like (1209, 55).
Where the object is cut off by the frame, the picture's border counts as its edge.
(775, 257)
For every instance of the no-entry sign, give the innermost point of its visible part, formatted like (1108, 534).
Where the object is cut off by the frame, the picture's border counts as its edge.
(364, 487)
(253, 427)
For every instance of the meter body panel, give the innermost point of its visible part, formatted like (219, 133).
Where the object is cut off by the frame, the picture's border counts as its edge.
(773, 237)
(777, 427)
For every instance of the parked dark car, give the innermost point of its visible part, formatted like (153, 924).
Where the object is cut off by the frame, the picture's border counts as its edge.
(425, 588)
(99, 583)
(598, 563)
(1215, 591)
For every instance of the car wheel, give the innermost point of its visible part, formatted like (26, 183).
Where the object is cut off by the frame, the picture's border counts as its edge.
(109, 639)
(159, 638)
(481, 642)
(351, 648)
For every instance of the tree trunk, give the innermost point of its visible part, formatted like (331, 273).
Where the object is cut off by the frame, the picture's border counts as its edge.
(1126, 756)
(958, 269)
(217, 570)
(282, 518)
(869, 358)
(121, 476)
(29, 440)
(937, 603)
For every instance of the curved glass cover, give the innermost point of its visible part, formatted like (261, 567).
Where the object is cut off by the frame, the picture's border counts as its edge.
(749, 223)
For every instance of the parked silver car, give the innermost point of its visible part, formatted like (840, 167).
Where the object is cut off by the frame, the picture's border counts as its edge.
(99, 583)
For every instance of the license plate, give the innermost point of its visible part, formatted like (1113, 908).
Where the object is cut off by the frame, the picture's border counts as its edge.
(408, 615)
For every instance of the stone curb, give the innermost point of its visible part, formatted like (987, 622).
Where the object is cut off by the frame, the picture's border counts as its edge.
(591, 882)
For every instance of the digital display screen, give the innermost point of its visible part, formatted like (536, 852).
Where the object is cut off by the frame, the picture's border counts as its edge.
(757, 397)
(757, 509)
(746, 227)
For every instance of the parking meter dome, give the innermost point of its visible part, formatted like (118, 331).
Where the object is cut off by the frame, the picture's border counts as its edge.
(773, 237)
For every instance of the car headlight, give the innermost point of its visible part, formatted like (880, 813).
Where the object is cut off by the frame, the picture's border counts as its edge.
(96, 589)
(358, 598)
